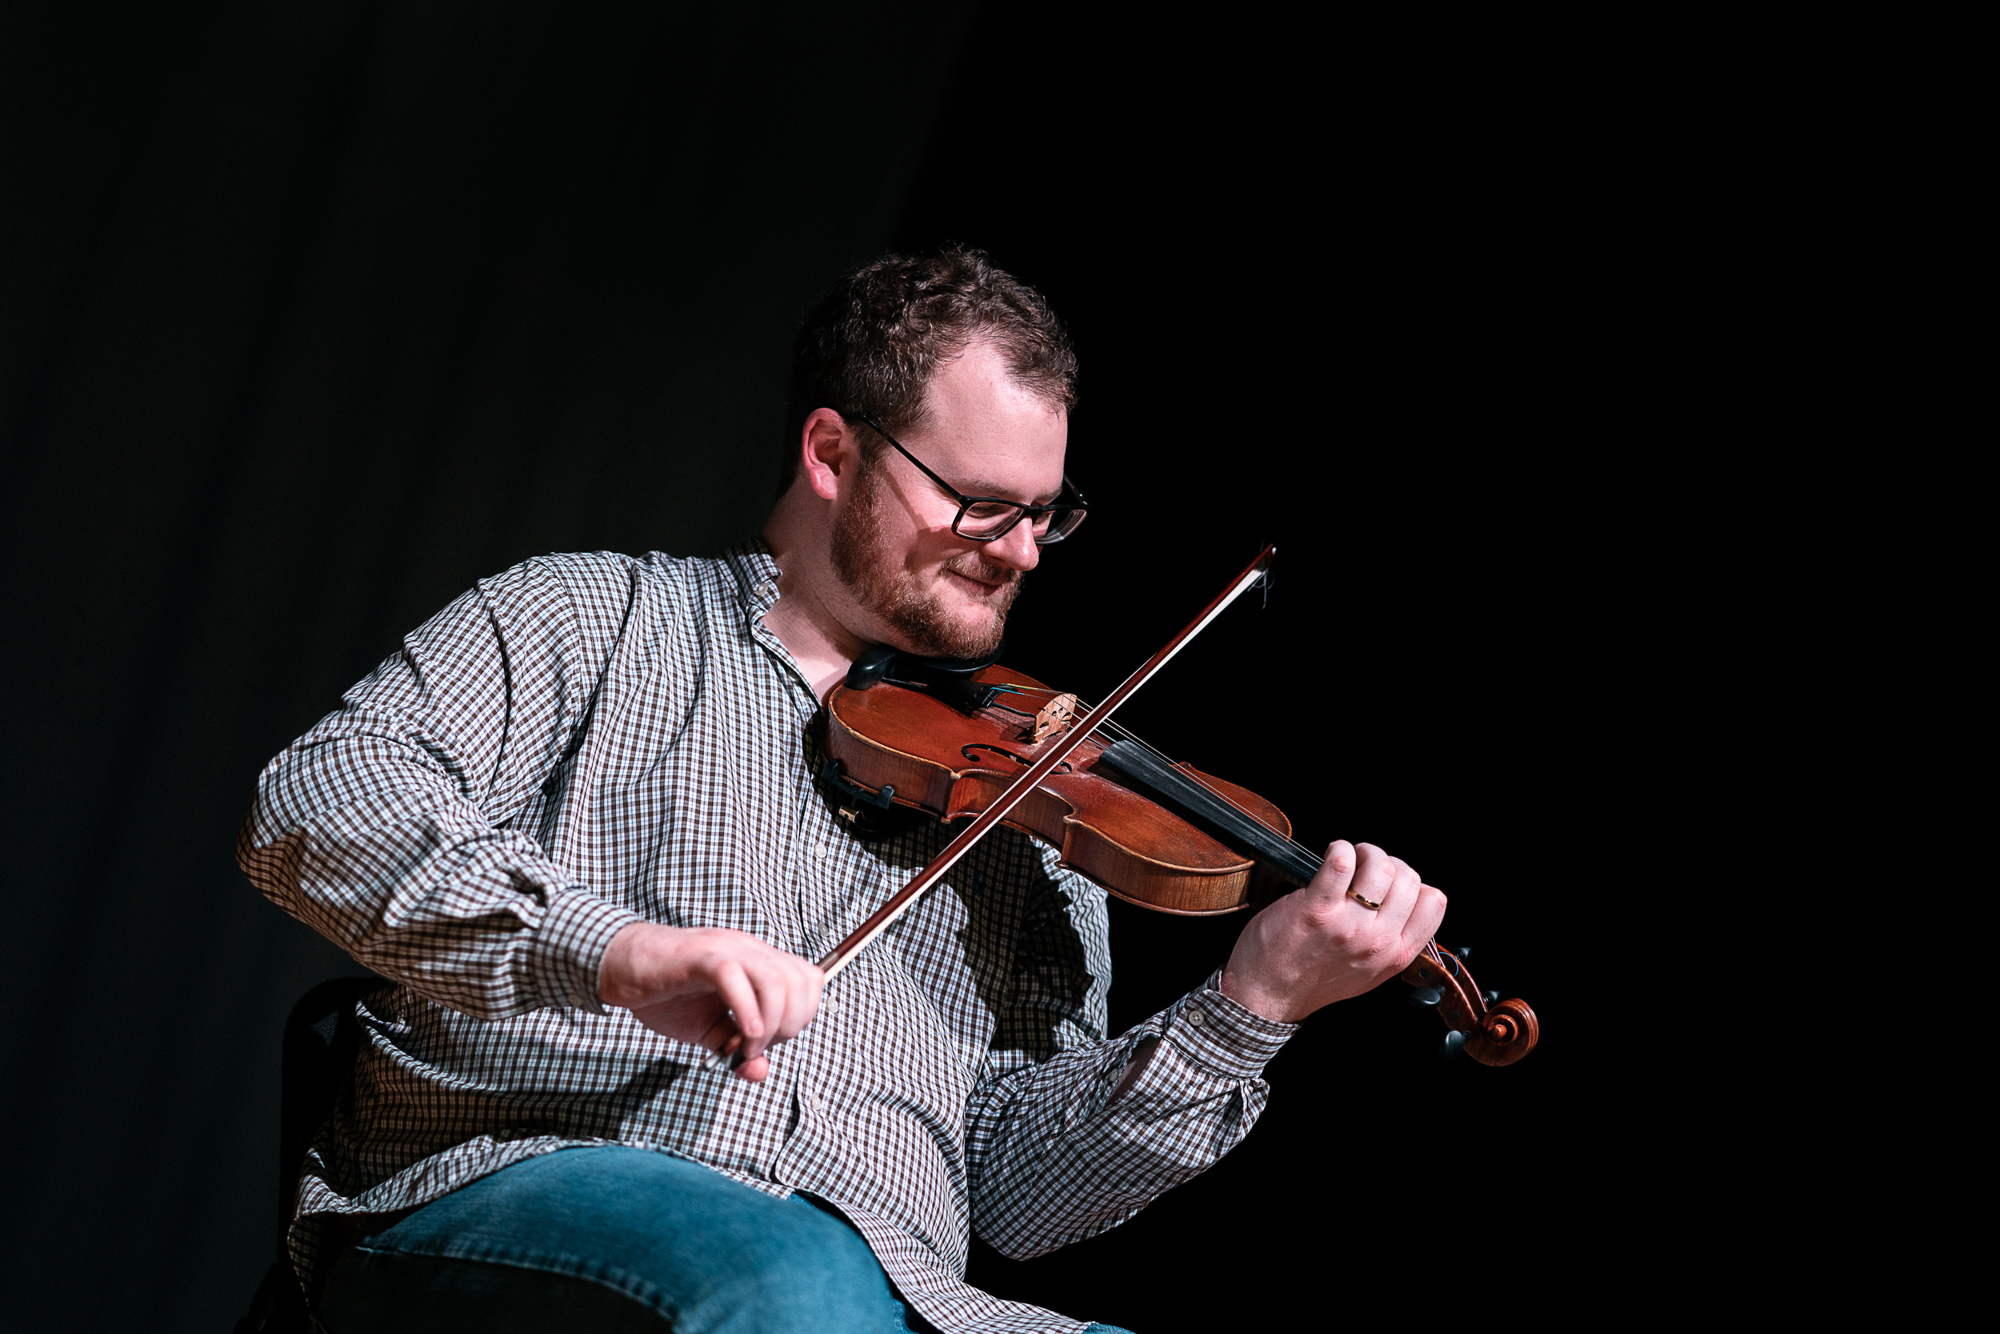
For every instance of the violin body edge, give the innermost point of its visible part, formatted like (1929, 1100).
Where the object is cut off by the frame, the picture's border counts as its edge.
(888, 736)
(953, 760)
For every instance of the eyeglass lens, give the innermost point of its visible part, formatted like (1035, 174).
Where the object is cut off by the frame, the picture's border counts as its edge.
(987, 519)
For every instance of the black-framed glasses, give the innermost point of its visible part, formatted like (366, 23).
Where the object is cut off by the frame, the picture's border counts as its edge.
(985, 518)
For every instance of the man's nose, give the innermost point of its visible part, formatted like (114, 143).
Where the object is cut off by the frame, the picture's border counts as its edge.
(1015, 548)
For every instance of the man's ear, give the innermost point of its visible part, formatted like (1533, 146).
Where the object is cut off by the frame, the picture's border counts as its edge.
(828, 450)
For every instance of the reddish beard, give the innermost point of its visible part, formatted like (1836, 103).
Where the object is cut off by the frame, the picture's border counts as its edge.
(880, 583)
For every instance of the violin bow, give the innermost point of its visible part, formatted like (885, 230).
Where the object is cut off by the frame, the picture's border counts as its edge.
(1492, 1031)
(927, 879)
(1059, 750)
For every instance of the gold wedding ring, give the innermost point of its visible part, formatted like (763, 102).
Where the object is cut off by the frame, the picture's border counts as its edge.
(1370, 904)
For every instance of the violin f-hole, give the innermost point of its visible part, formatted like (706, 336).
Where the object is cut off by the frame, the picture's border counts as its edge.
(969, 753)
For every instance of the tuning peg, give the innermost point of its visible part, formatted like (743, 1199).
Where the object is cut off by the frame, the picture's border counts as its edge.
(1463, 951)
(1492, 998)
(1424, 996)
(1453, 1044)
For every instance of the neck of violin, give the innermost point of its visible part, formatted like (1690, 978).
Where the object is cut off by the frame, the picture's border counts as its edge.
(1152, 774)
(1173, 787)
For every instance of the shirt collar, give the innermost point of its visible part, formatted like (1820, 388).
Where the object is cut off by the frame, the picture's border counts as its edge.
(756, 573)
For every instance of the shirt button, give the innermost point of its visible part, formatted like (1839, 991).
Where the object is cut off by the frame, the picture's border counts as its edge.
(819, 1103)
(1194, 1019)
(819, 849)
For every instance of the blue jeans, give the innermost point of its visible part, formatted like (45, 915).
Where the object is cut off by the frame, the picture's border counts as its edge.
(615, 1239)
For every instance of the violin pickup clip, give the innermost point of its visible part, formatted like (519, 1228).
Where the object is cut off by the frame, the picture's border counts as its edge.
(853, 796)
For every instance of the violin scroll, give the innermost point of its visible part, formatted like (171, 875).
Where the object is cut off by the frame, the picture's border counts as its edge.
(1508, 1033)
(1489, 1030)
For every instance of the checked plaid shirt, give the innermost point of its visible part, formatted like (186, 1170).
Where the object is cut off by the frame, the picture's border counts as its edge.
(588, 741)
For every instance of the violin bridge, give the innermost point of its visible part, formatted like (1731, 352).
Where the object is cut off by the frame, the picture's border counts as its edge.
(1056, 716)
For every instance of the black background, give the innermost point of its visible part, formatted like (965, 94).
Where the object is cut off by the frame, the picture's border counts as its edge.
(314, 314)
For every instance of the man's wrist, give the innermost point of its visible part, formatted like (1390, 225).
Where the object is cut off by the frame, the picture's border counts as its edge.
(1254, 999)
(633, 967)
(1221, 1034)
(566, 959)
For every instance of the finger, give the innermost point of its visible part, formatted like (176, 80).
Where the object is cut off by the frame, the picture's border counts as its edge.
(737, 993)
(1335, 875)
(1400, 898)
(808, 987)
(1374, 877)
(788, 988)
(715, 1033)
(802, 990)
(773, 984)
(723, 1040)
(1424, 920)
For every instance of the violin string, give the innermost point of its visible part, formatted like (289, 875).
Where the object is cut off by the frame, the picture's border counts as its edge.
(1124, 733)
(1121, 732)
(1127, 734)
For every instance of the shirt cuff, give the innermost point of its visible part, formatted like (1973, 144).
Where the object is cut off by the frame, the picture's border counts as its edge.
(569, 948)
(1215, 1032)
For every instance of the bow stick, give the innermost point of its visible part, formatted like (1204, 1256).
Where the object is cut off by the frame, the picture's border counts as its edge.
(927, 879)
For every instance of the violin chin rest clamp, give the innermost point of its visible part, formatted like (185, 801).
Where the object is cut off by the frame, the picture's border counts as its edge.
(853, 796)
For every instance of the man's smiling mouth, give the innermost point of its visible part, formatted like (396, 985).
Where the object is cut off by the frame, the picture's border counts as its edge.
(983, 585)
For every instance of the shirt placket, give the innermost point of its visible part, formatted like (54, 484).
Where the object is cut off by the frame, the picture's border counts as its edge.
(821, 857)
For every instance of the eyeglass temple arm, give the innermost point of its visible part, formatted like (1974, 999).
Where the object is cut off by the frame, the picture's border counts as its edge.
(963, 499)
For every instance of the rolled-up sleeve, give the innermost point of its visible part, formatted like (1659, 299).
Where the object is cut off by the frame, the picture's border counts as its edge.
(402, 826)
(1055, 1157)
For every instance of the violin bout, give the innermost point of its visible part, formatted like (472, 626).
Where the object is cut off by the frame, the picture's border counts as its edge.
(955, 751)
(965, 739)
(952, 762)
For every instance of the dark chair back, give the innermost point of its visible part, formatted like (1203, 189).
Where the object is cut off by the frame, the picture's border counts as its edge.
(320, 1040)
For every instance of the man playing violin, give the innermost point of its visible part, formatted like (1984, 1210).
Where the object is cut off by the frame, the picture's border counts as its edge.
(575, 821)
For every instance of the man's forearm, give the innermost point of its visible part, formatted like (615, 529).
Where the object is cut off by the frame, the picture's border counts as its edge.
(413, 882)
(1079, 1143)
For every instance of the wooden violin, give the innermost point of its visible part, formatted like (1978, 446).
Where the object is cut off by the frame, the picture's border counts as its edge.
(974, 740)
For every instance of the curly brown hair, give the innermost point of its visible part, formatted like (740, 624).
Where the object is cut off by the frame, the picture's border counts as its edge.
(877, 337)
